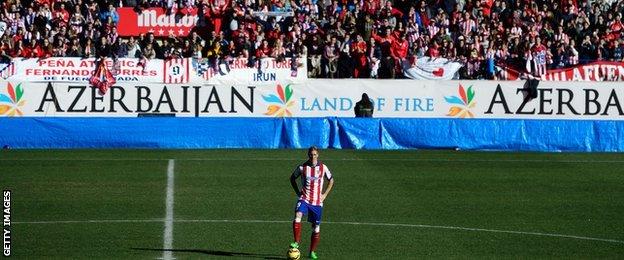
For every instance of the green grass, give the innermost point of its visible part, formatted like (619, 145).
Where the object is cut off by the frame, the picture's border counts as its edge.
(237, 204)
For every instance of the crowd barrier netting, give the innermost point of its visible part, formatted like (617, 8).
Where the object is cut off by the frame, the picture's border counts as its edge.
(331, 132)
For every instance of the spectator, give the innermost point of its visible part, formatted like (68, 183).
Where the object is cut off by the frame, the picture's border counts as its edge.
(344, 63)
(358, 52)
(34, 48)
(89, 49)
(103, 49)
(329, 62)
(75, 50)
(121, 48)
(109, 13)
(149, 51)
(134, 50)
(20, 51)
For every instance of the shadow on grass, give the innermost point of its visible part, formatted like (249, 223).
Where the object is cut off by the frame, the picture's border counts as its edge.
(215, 253)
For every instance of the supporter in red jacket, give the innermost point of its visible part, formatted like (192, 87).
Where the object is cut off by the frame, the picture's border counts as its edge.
(264, 50)
(399, 47)
(358, 52)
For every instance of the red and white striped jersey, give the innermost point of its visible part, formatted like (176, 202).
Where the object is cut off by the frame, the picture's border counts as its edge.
(467, 26)
(516, 30)
(433, 30)
(536, 62)
(312, 181)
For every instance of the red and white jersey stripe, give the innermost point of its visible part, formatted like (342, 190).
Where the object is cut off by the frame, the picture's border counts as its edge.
(574, 58)
(516, 30)
(433, 30)
(467, 26)
(312, 178)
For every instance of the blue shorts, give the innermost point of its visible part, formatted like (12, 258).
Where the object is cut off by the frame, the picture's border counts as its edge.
(314, 212)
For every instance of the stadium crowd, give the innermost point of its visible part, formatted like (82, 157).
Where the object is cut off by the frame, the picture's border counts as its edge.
(340, 38)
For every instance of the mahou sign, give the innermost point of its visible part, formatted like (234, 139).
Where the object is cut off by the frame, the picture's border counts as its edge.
(156, 21)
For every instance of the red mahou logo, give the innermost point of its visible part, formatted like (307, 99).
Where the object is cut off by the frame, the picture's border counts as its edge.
(156, 21)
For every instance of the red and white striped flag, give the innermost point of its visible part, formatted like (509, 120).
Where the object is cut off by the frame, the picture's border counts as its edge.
(102, 78)
(7, 70)
(176, 71)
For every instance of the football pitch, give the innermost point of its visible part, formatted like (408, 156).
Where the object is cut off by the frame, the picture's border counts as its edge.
(238, 204)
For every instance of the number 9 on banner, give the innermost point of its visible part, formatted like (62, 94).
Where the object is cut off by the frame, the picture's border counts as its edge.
(176, 71)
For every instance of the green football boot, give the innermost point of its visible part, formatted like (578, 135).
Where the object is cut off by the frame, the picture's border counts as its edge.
(294, 245)
(313, 255)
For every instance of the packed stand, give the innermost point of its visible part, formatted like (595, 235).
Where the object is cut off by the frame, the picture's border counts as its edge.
(341, 39)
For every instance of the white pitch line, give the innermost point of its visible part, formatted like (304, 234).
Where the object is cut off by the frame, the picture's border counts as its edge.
(168, 232)
(90, 221)
(327, 159)
(485, 230)
(331, 222)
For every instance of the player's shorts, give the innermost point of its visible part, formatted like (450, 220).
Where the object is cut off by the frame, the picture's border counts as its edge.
(314, 212)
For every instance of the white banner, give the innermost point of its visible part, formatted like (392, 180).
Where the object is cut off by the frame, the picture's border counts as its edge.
(272, 13)
(319, 98)
(77, 70)
(595, 71)
(431, 68)
(173, 71)
(267, 71)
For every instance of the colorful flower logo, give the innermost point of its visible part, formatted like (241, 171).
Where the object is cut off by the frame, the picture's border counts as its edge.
(465, 103)
(282, 102)
(14, 100)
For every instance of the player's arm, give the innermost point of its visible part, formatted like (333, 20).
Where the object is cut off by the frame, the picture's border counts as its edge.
(293, 181)
(330, 185)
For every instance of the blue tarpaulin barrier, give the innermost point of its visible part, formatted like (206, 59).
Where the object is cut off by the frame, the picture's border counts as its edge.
(332, 132)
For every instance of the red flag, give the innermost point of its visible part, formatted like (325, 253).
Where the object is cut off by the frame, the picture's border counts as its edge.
(102, 78)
